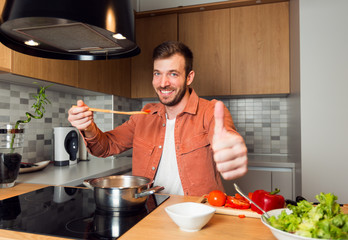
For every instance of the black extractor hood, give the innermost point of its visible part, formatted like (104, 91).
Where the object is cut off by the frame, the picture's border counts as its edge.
(69, 29)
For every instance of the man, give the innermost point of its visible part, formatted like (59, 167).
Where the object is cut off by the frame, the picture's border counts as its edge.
(184, 143)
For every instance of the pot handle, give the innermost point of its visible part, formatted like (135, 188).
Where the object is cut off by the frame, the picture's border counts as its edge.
(148, 192)
(87, 183)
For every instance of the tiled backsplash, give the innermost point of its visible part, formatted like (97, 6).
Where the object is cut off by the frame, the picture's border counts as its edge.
(16, 100)
(261, 121)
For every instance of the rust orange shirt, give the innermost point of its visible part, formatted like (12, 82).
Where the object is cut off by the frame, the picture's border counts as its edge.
(194, 129)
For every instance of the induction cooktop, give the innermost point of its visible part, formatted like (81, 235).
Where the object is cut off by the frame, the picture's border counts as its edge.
(69, 212)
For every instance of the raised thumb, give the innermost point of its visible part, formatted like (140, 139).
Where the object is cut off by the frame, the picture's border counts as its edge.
(219, 118)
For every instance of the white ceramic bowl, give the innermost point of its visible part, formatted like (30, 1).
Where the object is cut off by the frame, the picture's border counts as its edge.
(279, 234)
(190, 216)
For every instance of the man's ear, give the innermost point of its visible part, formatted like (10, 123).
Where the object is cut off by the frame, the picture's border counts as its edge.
(190, 78)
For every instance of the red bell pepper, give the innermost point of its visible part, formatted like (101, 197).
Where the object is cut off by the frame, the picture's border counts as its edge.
(267, 200)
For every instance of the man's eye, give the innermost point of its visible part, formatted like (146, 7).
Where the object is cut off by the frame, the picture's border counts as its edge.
(156, 74)
(174, 74)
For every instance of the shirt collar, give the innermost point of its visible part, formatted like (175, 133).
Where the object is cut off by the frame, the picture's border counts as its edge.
(192, 104)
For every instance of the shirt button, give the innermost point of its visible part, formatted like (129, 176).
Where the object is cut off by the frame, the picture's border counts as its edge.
(160, 146)
(153, 168)
(163, 124)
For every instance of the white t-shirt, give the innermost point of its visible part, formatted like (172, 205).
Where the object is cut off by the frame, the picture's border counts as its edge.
(167, 173)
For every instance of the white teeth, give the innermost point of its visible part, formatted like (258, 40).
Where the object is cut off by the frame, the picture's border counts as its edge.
(165, 92)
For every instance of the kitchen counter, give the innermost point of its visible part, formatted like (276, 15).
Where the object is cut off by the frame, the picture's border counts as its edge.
(97, 167)
(270, 160)
(74, 175)
(158, 225)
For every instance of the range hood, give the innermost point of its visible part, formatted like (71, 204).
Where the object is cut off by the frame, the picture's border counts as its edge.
(69, 29)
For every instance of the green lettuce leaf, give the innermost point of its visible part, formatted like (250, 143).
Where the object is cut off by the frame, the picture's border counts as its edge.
(324, 221)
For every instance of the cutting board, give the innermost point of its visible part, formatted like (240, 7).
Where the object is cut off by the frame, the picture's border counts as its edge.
(231, 211)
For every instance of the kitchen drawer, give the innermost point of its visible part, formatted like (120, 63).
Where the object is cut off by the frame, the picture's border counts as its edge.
(266, 178)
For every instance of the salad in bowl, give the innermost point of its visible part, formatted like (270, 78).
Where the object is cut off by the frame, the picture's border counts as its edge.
(309, 221)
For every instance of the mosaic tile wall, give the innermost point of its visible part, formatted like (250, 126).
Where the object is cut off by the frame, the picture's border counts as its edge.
(103, 120)
(125, 104)
(15, 100)
(261, 121)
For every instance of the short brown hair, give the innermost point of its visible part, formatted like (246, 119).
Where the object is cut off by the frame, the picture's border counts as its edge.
(169, 48)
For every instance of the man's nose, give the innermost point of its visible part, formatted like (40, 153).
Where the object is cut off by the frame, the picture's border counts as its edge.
(164, 81)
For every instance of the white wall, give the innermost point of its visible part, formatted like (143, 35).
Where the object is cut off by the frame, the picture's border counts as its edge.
(324, 97)
(294, 104)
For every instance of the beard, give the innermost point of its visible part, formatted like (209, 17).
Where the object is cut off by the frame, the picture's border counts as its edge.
(177, 98)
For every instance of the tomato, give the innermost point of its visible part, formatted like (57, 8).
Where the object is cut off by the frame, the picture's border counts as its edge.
(217, 198)
(234, 202)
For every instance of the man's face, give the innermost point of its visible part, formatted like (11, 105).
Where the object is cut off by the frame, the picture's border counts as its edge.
(169, 79)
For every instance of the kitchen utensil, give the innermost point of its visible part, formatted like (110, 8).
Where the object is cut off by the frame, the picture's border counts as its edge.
(190, 216)
(241, 193)
(231, 211)
(83, 153)
(121, 192)
(117, 112)
(65, 142)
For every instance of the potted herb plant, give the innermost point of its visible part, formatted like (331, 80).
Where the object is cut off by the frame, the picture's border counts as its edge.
(12, 138)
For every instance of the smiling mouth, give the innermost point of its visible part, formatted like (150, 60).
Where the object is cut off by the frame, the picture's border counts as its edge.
(166, 91)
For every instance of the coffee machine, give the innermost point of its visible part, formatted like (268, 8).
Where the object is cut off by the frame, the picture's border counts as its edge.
(65, 146)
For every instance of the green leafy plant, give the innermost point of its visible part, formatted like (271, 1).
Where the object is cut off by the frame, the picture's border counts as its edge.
(38, 106)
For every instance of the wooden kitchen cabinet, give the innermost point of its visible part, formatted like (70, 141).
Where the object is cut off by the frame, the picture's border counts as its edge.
(57, 71)
(150, 32)
(207, 34)
(5, 58)
(239, 50)
(264, 178)
(260, 49)
(242, 50)
(106, 76)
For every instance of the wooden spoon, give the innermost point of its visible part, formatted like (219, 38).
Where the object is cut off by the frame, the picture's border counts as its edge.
(117, 112)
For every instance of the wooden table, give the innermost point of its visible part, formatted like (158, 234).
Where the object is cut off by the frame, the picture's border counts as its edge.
(158, 225)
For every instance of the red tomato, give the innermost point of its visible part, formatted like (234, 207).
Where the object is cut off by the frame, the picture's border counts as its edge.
(217, 198)
(234, 202)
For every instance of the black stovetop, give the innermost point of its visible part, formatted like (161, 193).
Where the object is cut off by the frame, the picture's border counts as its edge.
(68, 212)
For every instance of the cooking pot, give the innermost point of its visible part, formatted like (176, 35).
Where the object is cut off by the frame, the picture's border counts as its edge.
(121, 192)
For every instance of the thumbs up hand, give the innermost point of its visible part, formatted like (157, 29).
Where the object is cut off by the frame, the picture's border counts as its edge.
(230, 152)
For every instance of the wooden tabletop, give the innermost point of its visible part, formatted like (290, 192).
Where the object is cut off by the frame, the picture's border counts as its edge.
(158, 225)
